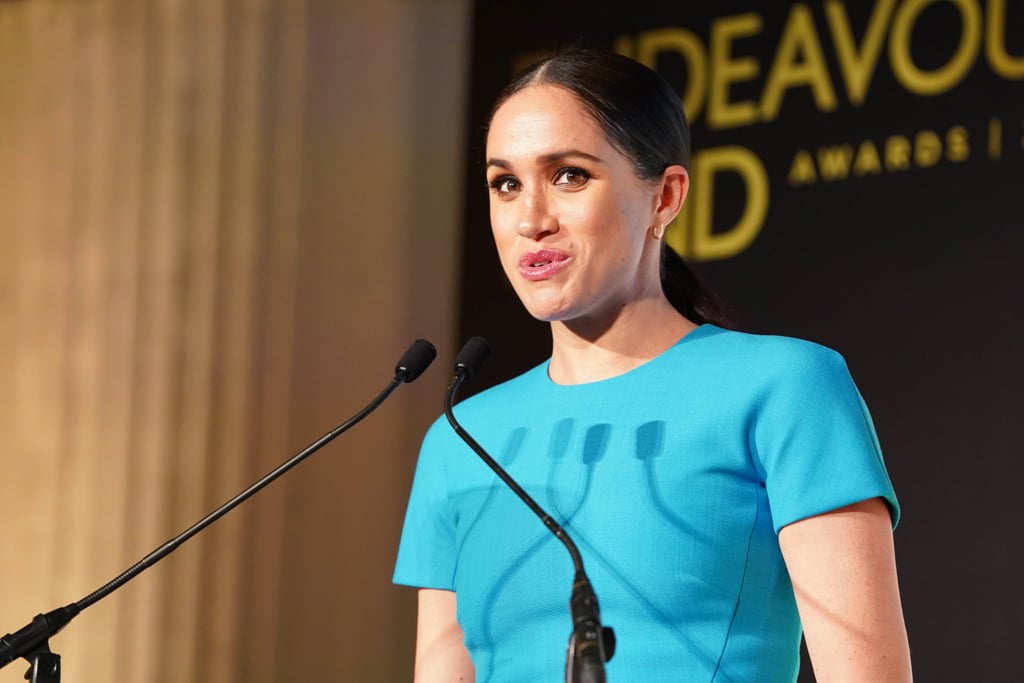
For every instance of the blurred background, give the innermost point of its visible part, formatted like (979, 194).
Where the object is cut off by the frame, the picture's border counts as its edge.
(222, 222)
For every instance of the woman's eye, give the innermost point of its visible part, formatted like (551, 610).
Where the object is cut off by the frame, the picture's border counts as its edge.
(504, 184)
(571, 176)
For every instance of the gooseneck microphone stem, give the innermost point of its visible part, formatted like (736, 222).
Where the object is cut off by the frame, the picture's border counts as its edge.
(30, 642)
(549, 521)
(171, 545)
(590, 644)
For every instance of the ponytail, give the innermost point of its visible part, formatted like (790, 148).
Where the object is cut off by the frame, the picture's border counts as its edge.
(687, 292)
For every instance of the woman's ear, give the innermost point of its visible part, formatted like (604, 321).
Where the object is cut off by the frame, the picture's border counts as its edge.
(674, 184)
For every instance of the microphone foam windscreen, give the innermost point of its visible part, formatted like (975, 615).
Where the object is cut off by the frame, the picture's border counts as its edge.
(419, 356)
(472, 356)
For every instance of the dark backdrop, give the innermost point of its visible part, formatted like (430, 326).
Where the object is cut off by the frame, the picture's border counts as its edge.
(891, 231)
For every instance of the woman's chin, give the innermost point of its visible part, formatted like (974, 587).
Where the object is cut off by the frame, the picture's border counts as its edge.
(544, 308)
(544, 315)
(553, 314)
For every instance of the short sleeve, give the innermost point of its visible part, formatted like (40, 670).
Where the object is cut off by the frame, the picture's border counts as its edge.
(815, 440)
(427, 551)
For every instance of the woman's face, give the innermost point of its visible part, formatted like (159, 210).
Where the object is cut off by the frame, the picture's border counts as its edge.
(570, 217)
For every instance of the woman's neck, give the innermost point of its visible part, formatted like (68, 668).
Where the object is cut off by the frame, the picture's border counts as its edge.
(586, 352)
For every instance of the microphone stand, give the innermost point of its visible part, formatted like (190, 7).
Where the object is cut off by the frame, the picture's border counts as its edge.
(590, 644)
(31, 642)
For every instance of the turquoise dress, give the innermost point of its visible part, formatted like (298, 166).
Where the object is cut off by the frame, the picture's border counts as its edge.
(673, 479)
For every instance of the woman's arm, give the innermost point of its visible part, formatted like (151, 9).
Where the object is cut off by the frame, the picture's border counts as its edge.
(843, 569)
(441, 655)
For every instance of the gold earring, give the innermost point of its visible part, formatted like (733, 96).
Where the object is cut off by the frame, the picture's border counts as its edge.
(658, 231)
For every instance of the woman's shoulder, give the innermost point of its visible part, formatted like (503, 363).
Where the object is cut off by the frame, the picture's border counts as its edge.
(511, 391)
(768, 356)
(764, 347)
(490, 407)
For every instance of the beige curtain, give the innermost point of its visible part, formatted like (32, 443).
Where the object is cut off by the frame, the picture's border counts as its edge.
(221, 223)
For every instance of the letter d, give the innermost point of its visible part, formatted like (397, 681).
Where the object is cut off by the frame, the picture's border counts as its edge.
(697, 220)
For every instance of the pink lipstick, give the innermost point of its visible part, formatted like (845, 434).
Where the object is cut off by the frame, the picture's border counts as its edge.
(542, 264)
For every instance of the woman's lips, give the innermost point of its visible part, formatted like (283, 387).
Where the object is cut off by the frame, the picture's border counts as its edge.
(540, 265)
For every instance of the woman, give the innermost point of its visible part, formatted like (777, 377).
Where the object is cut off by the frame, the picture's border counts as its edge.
(725, 489)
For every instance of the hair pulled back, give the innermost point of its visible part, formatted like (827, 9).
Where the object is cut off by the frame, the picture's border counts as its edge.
(643, 119)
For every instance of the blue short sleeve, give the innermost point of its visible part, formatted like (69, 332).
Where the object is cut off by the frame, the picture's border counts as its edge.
(814, 438)
(427, 553)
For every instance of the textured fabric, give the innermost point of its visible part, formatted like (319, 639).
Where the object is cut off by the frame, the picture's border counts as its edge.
(673, 479)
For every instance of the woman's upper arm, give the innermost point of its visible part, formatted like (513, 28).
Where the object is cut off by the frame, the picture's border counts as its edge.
(843, 568)
(441, 655)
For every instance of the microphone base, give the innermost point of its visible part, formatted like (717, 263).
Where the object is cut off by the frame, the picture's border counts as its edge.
(583, 667)
(45, 668)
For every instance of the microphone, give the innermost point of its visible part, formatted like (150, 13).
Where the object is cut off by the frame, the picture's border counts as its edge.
(415, 360)
(590, 644)
(30, 641)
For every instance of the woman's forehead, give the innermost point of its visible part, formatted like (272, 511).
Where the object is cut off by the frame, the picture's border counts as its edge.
(542, 115)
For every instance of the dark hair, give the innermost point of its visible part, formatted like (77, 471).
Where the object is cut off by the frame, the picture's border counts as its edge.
(643, 119)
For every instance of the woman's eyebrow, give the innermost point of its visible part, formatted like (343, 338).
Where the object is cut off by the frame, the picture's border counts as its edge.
(551, 157)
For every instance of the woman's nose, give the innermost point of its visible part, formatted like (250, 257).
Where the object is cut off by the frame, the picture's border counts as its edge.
(536, 220)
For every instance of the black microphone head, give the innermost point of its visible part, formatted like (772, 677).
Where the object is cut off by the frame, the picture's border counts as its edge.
(417, 359)
(473, 354)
